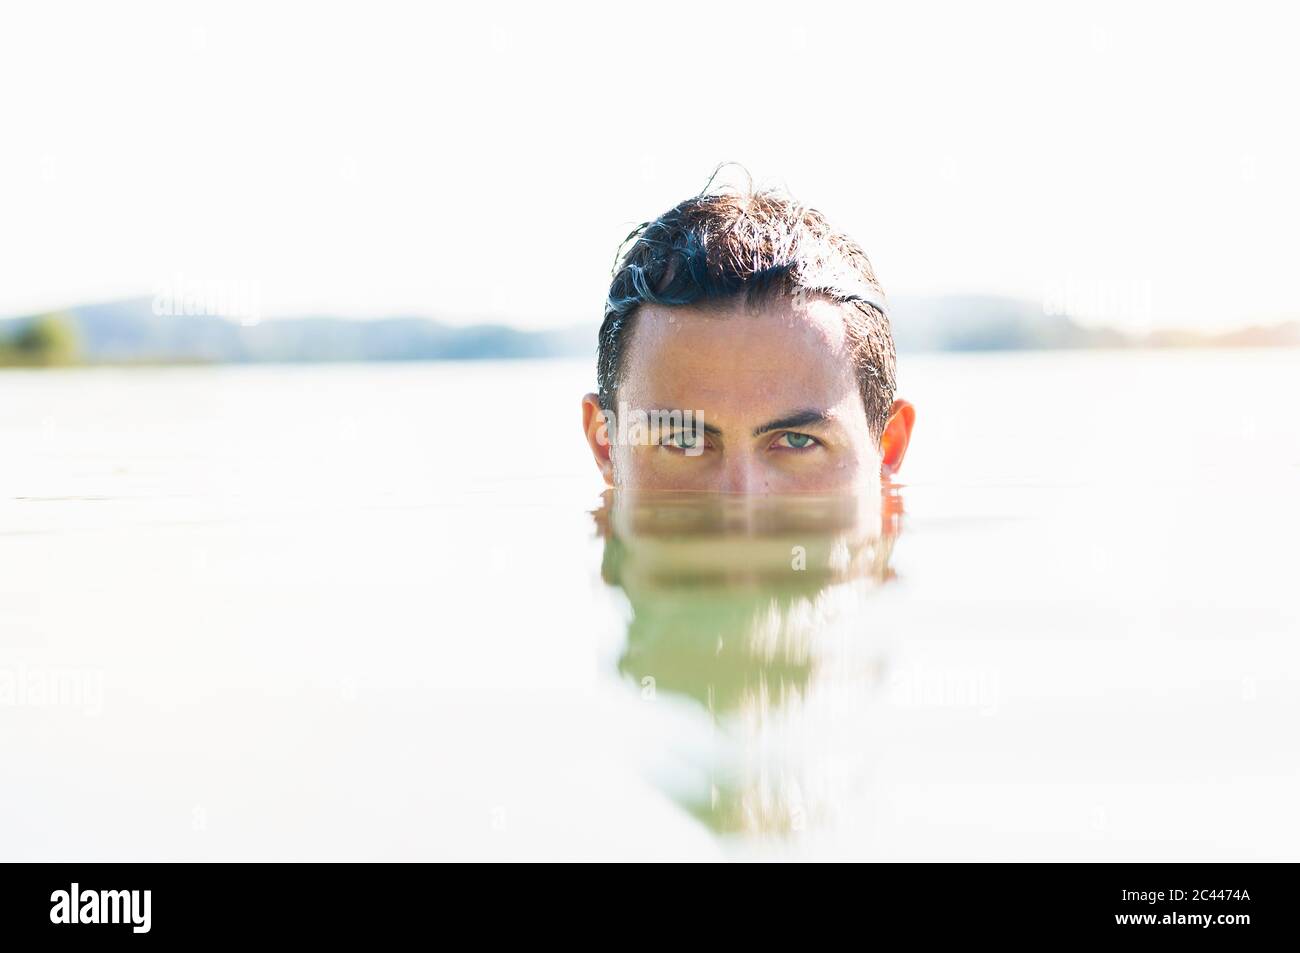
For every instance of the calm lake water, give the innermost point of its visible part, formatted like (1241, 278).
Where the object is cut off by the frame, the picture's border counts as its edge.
(381, 611)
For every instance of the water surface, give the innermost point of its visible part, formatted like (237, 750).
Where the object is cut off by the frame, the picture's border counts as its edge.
(383, 611)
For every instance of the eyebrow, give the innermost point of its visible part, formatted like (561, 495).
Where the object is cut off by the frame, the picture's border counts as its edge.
(801, 418)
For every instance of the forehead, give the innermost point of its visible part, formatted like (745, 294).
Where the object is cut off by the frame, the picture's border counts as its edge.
(735, 358)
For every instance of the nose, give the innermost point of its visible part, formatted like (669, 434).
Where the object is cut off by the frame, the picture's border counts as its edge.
(743, 473)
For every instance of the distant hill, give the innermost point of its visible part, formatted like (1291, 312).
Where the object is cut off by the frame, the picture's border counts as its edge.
(988, 323)
(129, 332)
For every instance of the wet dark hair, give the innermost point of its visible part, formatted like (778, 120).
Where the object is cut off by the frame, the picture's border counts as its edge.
(728, 243)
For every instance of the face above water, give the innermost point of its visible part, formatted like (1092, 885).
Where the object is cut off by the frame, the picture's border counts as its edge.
(781, 408)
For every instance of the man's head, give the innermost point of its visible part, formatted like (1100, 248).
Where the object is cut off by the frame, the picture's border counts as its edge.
(749, 310)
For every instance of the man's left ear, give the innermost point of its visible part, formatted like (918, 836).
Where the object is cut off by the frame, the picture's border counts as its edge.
(895, 437)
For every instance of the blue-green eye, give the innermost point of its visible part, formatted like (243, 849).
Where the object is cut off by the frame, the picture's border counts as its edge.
(795, 441)
(681, 440)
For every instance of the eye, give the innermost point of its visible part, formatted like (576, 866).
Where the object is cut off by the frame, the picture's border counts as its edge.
(795, 441)
(682, 440)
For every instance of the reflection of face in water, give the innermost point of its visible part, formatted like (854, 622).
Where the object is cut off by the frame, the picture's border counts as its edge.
(750, 609)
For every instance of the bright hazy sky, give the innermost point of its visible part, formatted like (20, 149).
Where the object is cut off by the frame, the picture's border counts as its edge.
(483, 161)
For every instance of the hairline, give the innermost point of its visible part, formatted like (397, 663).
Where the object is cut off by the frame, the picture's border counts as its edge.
(754, 298)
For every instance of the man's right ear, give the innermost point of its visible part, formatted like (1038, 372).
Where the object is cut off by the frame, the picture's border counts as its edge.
(595, 427)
